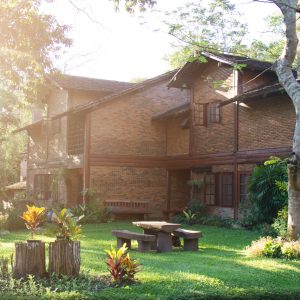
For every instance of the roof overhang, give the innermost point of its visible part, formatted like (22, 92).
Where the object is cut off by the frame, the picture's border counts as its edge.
(172, 112)
(31, 126)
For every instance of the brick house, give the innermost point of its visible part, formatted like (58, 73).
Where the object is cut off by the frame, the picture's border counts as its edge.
(150, 146)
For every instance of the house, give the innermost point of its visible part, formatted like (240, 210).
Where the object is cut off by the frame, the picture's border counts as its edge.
(148, 147)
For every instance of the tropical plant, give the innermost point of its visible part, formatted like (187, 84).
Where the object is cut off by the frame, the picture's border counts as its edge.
(120, 266)
(33, 217)
(66, 225)
(189, 217)
(266, 191)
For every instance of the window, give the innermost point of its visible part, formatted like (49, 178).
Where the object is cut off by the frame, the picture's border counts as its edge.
(210, 189)
(226, 189)
(207, 113)
(199, 114)
(76, 134)
(244, 189)
(213, 112)
(41, 186)
(46, 187)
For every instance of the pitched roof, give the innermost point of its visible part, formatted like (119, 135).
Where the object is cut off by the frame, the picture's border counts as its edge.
(184, 77)
(173, 111)
(262, 92)
(71, 82)
(131, 90)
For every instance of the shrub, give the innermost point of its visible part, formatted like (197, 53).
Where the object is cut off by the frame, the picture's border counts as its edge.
(13, 220)
(291, 250)
(280, 223)
(257, 247)
(268, 190)
(216, 221)
(272, 249)
(121, 267)
(93, 212)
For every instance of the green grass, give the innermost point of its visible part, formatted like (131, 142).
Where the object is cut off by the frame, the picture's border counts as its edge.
(218, 270)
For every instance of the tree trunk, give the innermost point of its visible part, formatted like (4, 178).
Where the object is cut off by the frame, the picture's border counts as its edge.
(29, 259)
(64, 257)
(283, 68)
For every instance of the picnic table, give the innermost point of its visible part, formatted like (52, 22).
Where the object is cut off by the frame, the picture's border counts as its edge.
(163, 232)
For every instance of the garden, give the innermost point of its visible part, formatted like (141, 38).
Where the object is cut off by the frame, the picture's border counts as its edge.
(62, 255)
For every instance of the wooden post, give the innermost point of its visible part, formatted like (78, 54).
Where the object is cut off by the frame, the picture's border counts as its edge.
(29, 259)
(64, 257)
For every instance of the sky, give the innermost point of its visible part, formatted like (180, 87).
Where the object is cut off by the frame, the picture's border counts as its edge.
(119, 46)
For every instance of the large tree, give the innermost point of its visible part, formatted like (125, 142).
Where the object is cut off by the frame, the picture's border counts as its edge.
(284, 71)
(29, 42)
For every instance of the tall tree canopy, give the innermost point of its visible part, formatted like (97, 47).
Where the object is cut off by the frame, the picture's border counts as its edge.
(29, 42)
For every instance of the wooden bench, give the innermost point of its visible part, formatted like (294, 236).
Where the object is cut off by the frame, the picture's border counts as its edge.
(125, 236)
(190, 238)
(127, 208)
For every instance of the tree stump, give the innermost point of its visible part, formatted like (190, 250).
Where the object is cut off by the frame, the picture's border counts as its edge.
(64, 257)
(29, 259)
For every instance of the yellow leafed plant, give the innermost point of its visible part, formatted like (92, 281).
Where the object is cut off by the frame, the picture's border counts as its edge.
(33, 217)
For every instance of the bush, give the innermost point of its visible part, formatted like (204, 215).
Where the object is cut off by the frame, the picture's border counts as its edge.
(268, 190)
(272, 249)
(193, 213)
(280, 223)
(93, 212)
(13, 220)
(291, 250)
(216, 221)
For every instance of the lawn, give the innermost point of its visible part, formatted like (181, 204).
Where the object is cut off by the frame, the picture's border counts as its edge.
(218, 270)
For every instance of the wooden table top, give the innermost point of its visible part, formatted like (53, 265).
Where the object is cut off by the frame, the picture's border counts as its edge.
(157, 225)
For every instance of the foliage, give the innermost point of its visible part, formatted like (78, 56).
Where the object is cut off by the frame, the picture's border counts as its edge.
(189, 217)
(194, 211)
(213, 26)
(12, 220)
(195, 182)
(33, 217)
(222, 271)
(4, 268)
(291, 250)
(121, 267)
(130, 5)
(53, 287)
(280, 223)
(66, 225)
(216, 221)
(272, 249)
(266, 197)
(93, 213)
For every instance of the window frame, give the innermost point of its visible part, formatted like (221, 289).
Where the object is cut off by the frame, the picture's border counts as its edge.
(215, 189)
(246, 173)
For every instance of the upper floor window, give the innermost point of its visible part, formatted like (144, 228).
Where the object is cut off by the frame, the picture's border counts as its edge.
(213, 112)
(75, 142)
(207, 113)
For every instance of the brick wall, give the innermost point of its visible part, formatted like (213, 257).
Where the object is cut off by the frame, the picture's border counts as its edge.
(178, 139)
(266, 123)
(180, 190)
(125, 126)
(213, 137)
(127, 183)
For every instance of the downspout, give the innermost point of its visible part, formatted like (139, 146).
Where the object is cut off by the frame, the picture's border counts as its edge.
(86, 155)
(237, 87)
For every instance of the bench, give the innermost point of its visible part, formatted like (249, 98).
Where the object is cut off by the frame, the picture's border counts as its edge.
(127, 207)
(190, 238)
(125, 236)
